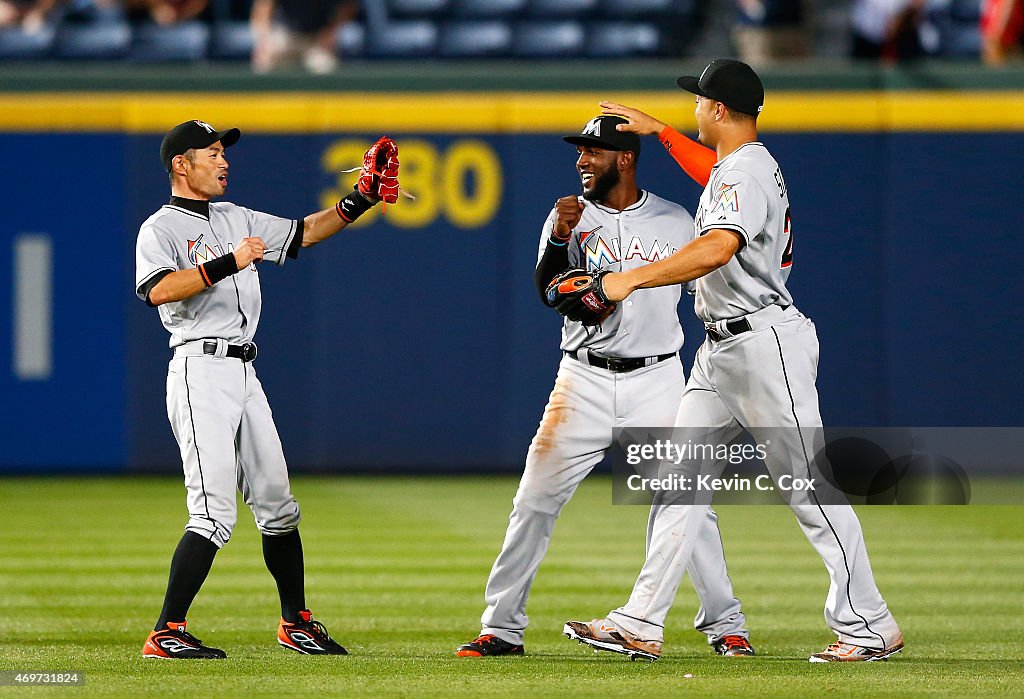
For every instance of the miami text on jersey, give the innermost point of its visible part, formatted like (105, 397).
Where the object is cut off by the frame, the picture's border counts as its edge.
(599, 252)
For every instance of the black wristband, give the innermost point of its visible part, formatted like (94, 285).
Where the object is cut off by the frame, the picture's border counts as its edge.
(218, 268)
(353, 206)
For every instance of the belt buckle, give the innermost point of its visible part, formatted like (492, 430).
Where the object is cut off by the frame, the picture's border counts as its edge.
(616, 365)
(248, 352)
(713, 333)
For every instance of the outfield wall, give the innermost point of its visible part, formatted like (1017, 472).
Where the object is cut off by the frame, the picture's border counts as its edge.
(416, 340)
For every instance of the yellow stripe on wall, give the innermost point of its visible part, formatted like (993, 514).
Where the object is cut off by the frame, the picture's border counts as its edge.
(499, 112)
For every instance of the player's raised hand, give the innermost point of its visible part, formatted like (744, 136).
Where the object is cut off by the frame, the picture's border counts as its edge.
(638, 122)
(569, 210)
(248, 251)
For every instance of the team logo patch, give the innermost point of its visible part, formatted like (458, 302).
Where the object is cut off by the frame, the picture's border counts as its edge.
(593, 127)
(727, 199)
(200, 253)
(203, 124)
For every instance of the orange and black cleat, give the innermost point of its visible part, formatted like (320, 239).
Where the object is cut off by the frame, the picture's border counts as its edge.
(733, 646)
(487, 645)
(175, 642)
(308, 636)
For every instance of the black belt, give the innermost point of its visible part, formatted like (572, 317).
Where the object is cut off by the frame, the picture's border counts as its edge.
(246, 352)
(619, 365)
(735, 327)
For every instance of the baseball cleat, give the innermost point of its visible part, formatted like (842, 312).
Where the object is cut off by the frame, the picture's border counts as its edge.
(487, 644)
(848, 653)
(602, 634)
(175, 642)
(733, 646)
(308, 637)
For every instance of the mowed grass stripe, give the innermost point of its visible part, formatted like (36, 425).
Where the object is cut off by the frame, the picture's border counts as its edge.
(396, 568)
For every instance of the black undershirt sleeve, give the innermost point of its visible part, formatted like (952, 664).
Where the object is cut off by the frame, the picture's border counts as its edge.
(293, 249)
(554, 261)
(148, 286)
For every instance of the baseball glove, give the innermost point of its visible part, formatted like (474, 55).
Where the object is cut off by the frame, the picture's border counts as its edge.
(378, 177)
(578, 295)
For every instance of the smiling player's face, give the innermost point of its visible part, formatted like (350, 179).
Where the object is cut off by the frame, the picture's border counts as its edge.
(209, 174)
(599, 171)
(705, 115)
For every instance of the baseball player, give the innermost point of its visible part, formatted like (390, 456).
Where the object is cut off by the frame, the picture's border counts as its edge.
(755, 371)
(196, 262)
(624, 372)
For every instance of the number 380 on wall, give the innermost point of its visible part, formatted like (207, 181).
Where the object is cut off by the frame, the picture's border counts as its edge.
(463, 183)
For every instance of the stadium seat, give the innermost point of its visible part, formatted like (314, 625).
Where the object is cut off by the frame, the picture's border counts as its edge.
(16, 44)
(231, 40)
(580, 9)
(548, 39)
(185, 41)
(351, 40)
(621, 40)
(100, 41)
(488, 8)
(475, 39)
(419, 9)
(408, 39)
(646, 8)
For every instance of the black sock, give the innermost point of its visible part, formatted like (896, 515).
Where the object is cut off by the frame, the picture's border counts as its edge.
(189, 568)
(283, 555)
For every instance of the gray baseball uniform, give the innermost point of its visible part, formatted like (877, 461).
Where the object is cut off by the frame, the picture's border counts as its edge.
(215, 403)
(588, 402)
(757, 371)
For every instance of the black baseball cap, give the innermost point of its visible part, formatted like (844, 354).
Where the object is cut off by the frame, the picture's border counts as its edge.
(193, 134)
(733, 83)
(601, 132)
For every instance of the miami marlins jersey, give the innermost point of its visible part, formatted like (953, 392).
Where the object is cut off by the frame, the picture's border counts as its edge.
(175, 238)
(647, 323)
(746, 194)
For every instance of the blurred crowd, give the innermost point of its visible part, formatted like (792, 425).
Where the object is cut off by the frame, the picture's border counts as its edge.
(305, 32)
(885, 30)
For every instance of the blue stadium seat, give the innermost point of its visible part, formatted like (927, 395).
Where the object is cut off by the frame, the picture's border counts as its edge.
(647, 8)
(964, 11)
(621, 40)
(231, 40)
(581, 9)
(185, 41)
(548, 39)
(488, 8)
(471, 39)
(962, 41)
(351, 40)
(100, 41)
(417, 8)
(408, 39)
(16, 44)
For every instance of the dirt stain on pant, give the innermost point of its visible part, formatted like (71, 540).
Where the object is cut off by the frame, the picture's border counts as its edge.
(556, 413)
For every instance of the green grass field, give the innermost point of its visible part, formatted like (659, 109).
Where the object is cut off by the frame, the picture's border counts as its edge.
(396, 569)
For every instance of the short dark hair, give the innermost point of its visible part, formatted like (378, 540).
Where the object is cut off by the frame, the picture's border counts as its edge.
(189, 155)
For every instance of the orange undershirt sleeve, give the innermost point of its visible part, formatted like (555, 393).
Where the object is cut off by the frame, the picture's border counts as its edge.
(695, 159)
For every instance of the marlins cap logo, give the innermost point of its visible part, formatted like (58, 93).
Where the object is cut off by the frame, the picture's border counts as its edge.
(209, 129)
(593, 127)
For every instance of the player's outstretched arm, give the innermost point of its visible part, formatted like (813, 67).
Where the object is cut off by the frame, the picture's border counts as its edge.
(695, 159)
(700, 256)
(378, 181)
(180, 285)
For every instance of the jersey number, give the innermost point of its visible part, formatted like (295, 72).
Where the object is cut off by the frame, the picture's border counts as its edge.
(787, 254)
